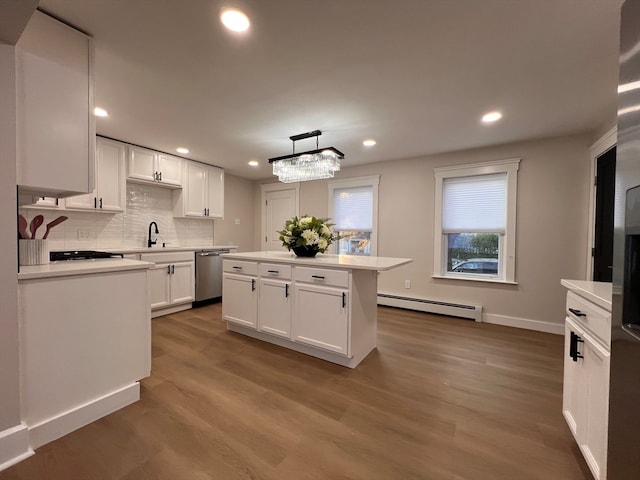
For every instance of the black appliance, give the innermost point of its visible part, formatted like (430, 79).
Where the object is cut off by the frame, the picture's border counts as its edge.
(81, 255)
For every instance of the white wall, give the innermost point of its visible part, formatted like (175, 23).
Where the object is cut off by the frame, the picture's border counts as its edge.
(237, 228)
(553, 194)
(9, 366)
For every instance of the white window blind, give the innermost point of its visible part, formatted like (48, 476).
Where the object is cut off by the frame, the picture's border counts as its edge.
(353, 209)
(474, 204)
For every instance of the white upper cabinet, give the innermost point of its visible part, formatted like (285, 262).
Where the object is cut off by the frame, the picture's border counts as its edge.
(202, 194)
(55, 123)
(109, 194)
(148, 166)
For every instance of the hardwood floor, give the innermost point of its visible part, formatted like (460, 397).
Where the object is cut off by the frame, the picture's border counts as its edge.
(440, 398)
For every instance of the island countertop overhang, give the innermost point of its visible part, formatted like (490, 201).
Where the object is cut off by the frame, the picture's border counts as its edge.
(355, 262)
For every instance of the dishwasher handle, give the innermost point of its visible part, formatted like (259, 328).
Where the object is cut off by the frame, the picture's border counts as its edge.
(215, 253)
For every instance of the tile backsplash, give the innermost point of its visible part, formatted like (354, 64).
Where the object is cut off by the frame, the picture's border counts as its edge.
(99, 231)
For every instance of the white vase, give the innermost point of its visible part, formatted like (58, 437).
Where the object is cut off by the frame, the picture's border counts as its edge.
(33, 251)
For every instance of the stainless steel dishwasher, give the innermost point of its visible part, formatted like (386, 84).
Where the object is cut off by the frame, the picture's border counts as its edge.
(209, 274)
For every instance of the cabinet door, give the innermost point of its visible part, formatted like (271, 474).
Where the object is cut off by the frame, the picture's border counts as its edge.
(159, 285)
(170, 169)
(215, 192)
(274, 307)
(55, 130)
(593, 440)
(239, 300)
(110, 175)
(182, 282)
(195, 190)
(46, 202)
(571, 395)
(142, 164)
(82, 202)
(321, 317)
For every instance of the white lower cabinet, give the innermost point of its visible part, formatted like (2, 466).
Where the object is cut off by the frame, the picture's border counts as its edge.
(171, 281)
(303, 308)
(585, 402)
(322, 317)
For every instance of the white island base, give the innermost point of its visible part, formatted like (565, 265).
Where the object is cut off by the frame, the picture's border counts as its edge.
(324, 307)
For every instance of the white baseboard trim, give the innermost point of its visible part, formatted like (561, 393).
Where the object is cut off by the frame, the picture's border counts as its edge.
(474, 312)
(14, 446)
(172, 309)
(66, 422)
(526, 323)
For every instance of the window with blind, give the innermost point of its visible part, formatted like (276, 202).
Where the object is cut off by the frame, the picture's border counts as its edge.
(475, 221)
(353, 205)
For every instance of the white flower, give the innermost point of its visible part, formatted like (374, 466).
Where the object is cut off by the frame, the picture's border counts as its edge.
(326, 232)
(322, 243)
(287, 239)
(310, 236)
(305, 221)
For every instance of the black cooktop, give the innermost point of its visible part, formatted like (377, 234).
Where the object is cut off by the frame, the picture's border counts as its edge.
(81, 255)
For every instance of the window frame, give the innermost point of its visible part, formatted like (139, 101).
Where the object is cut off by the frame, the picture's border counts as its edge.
(356, 182)
(507, 242)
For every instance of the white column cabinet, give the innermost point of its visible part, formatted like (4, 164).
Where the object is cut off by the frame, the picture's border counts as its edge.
(56, 127)
(585, 401)
(171, 281)
(240, 293)
(275, 294)
(148, 166)
(202, 195)
(109, 194)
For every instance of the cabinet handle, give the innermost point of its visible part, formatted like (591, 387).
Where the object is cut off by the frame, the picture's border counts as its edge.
(95, 202)
(57, 201)
(344, 299)
(208, 212)
(273, 271)
(577, 313)
(286, 290)
(155, 176)
(253, 285)
(236, 268)
(168, 269)
(173, 269)
(100, 202)
(160, 176)
(204, 212)
(319, 277)
(573, 346)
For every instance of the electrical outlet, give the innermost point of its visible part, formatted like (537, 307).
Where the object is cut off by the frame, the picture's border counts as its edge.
(237, 221)
(84, 234)
(407, 284)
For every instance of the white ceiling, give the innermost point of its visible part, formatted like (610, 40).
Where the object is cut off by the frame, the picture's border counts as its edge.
(416, 75)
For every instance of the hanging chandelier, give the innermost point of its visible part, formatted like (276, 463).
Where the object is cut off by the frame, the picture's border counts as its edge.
(311, 165)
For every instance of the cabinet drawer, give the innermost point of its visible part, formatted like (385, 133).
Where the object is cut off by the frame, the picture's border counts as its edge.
(322, 276)
(239, 266)
(273, 270)
(168, 257)
(591, 317)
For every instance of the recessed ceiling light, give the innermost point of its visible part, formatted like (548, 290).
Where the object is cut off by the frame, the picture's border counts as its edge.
(370, 142)
(491, 117)
(235, 20)
(100, 112)
(182, 150)
(254, 163)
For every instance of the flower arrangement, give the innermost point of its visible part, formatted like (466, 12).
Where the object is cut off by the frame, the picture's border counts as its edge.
(307, 235)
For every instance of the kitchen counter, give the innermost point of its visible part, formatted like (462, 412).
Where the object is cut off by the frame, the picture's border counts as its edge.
(160, 249)
(323, 260)
(80, 267)
(596, 292)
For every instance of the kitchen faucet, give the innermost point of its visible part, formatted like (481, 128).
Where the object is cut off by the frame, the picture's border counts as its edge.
(152, 242)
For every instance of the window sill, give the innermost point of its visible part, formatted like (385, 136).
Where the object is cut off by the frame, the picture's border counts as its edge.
(475, 279)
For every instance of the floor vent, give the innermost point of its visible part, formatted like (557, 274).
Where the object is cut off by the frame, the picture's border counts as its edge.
(473, 312)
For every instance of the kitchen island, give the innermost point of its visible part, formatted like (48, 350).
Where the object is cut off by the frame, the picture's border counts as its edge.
(323, 306)
(85, 334)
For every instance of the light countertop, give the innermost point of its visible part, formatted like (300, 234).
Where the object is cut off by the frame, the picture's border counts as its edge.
(160, 249)
(597, 292)
(79, 267)
(324, 260)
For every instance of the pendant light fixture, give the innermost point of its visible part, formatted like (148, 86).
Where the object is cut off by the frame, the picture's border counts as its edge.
(310, 165)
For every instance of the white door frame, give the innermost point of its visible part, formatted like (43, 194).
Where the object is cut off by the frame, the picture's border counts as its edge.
(601, 146)
(275, 187)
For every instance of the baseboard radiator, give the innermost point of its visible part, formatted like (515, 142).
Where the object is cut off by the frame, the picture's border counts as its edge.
(473, 312)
